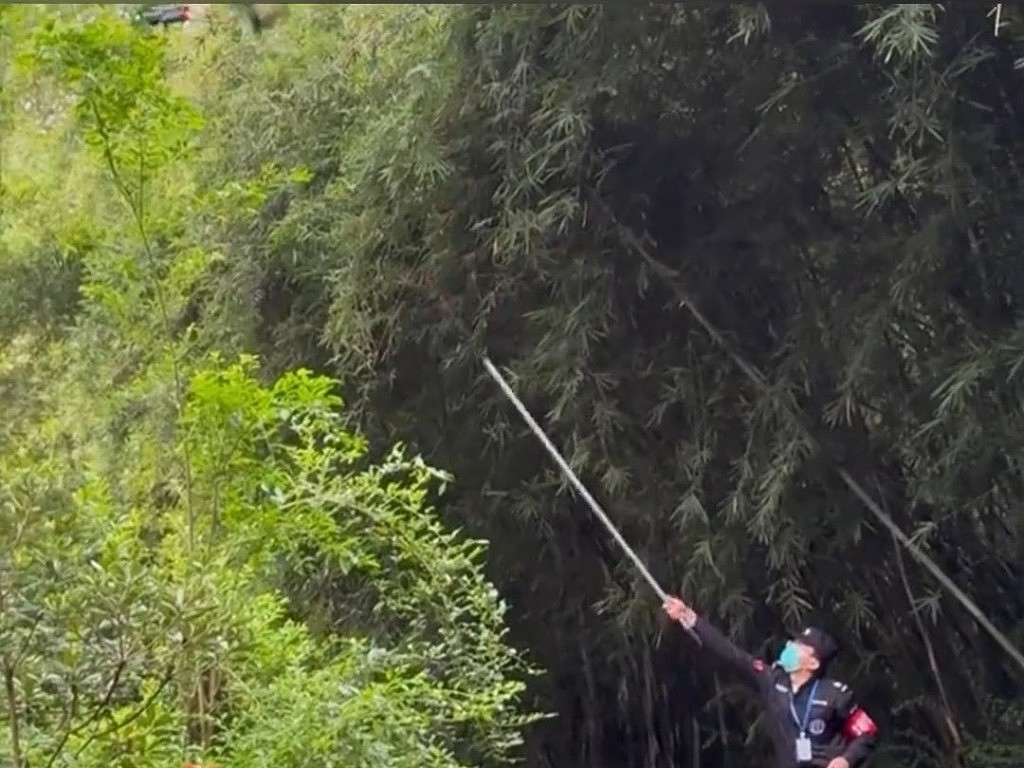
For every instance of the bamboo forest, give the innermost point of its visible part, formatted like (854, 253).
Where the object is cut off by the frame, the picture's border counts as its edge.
(749, 266)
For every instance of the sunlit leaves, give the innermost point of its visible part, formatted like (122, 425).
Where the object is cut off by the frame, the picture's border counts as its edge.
(116, 75)
(115, 619)
(175, 508)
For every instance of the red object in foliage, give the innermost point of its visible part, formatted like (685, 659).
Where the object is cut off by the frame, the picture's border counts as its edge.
(858, 724)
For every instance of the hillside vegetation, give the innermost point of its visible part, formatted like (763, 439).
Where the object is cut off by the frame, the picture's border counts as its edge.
(262, 505)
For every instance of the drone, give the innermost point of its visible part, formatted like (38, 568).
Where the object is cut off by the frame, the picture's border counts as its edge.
(259, 16)
(156, 15)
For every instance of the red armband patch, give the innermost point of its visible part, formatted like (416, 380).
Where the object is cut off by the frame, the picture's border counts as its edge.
(858, 724)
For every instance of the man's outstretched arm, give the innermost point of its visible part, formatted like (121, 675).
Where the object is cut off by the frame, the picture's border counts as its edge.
(751, 669)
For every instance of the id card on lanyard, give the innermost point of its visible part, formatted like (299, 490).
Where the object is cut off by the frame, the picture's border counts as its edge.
(804, 753)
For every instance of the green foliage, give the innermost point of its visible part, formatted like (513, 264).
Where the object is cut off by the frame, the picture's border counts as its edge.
(174, 514)
(377, 193)
(118, 620)
(832, 187)
(1004, 746)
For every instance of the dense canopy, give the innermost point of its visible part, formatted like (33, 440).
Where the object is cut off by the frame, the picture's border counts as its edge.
(210, 239)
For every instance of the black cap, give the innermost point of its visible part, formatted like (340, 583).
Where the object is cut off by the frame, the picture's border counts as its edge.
(824, 646)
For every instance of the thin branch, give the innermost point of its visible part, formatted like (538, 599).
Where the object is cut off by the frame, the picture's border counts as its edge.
(926, 639)
(136, 210)
(13, 719)
(134, 715)
(98, 712)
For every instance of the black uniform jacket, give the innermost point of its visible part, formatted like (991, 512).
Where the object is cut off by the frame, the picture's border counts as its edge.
(836, 726)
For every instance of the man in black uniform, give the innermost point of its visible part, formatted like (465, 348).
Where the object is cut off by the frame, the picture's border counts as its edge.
(813, 719)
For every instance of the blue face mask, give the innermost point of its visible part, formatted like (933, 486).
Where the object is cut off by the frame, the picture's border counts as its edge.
(790, 658)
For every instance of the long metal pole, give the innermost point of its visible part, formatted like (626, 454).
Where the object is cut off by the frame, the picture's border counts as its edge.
(577, 484)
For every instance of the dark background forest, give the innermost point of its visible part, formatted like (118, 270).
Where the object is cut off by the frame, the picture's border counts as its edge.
(619, 204)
